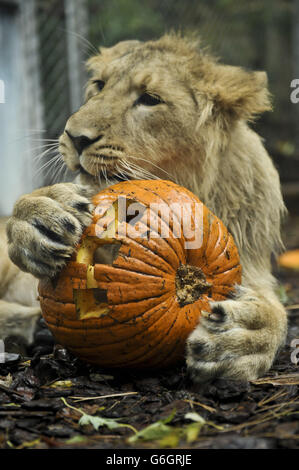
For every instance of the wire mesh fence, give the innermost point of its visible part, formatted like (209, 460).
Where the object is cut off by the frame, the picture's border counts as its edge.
(62, 56)
(53, 64)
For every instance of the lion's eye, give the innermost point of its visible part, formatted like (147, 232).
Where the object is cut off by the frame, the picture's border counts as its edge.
(99, 84)
(148, 100)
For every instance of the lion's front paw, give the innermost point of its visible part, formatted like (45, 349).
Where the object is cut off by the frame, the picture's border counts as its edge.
(229, 343)
(44, 230)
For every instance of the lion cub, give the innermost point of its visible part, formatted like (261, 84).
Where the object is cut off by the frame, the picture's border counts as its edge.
(168, 109)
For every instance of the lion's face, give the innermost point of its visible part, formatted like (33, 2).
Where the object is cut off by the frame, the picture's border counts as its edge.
(138, 116)
(156, 109)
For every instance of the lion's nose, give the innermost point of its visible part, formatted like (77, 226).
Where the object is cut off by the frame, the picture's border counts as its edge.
(81, 142)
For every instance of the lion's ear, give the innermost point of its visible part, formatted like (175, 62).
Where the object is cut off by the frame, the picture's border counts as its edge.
(240, 93)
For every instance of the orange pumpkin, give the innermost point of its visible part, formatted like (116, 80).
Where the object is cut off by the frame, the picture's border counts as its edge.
(138, 309)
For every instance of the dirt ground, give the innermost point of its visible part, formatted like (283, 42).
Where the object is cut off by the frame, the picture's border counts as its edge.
(49, 399)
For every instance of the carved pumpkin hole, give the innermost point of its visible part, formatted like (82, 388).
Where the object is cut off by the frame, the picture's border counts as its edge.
(129, 211)
(100, 296)
(106, 254)
(91, 303)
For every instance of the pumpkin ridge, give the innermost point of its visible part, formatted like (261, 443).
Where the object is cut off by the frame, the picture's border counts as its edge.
(128, 322)
(167, 334)
(234, 273)
(210, 249)
(138, 300)
(148, 190)
(157, 362)
(128, 268)
(140, 273)
(152, 252)
(215, 273)
(123, 340)
(144, 354)
(229, 263)
(166, 241)
(153, 255)
(210, 242)
(181, 239)
(228, 239)
(137, 272)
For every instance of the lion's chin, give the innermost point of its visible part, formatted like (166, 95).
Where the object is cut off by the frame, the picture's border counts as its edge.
(98, 165)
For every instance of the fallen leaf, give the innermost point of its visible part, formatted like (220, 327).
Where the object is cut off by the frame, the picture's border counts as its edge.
(155, 431)
(193, 416)
(76, 440)
(30, 444)
(192, 431)
(26, 363)
(6, 381)
(97, 421)
(61, 383)
(170, 440)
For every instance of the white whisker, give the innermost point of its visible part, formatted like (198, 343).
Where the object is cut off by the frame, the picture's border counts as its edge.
(90, 47)
(151, 163)
(45, 140)
(58, 174)
(47, 164)
(44, 147)
(137, 171)
(39, 157)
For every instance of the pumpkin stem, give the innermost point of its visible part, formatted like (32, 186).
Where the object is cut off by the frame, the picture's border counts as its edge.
(190, 283)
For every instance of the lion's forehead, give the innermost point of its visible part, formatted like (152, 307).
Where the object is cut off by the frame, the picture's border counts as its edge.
(149, 70)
